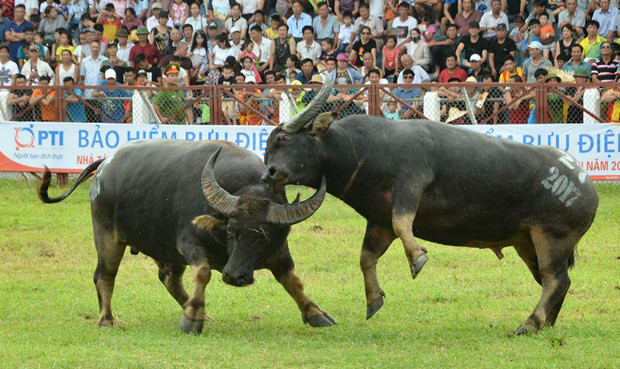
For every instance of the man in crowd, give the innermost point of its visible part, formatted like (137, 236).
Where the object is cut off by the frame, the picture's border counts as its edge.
(143, 47)
(14, 31)
(535, 62)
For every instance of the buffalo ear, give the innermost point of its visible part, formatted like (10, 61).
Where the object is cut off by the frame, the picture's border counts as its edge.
(322, 122)
(209, 223)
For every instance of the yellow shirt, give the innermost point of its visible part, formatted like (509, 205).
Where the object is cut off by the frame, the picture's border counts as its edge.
(505, 76)
(592, 50)
(60, 49)
(270, 33)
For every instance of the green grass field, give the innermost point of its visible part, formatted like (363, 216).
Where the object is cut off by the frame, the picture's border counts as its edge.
(457, 314)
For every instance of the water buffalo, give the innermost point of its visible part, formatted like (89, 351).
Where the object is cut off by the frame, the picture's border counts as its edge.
(161, 199)
(444, 184)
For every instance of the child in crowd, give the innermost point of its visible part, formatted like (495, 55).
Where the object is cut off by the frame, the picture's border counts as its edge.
(547, 34)
(391, 110)
(249, 68)
(272, 32)
(228, 106)
(64, 43)
(427, 28)
(344, 35)
(390, 57)
(111, 23)
(39, 38)
(327, 51)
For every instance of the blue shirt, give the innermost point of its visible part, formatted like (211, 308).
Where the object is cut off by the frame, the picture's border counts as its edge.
(113, 108)
(76, 109)
(14, 45)
(407, 94)
(295, 27)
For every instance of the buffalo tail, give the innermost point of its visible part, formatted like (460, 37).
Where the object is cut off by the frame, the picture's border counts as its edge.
(47, 176)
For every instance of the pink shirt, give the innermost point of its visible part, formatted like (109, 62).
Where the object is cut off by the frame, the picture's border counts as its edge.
(177, 12)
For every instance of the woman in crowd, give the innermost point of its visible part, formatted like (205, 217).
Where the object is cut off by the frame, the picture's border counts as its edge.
(565, 44)
(365, 44)
(160, 35)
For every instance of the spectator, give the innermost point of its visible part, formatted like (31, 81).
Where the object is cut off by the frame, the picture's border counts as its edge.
(519, 111)
(500, 48)
(115, 63)
(612, 98)
(368, 20)
(418, 49)
(363, 45)
(419, 74)
(249, 68)
(444, 46)
(124, 46)
(45, 4)
(534, 35)
(15, 31)
(19, 99)
(607, 19)
(44, 100)
(142, 8)
(538, 8)
(179, 12)
(131, 21)
(219, 10)
(344, 74)
(78, 53)
(308, 48)
(220, 52)
(259, 20)
(272, 32)
(452, 70)
(472, 45)
(35, 68)
(535, 62)
(566, 43)
(429, 8)
(90, 68)
(74, 108)
(169, 104)
(236, 21)
(227, 78)
(491, 19)
(160, 35)
(391, 110)
(307, 69)
(343, 6)
(510, 69)
(250, 7)
(555, 105)
(31, 7)
(298, 21)
(576, 61)
(250, 96)
(143, 47)
(592, 44)
(66, 68)
(111, 105)
(450, 9)
(50, 23)
(573, 16)
(153, 20)
(198, 51)
(476, 70)
(180, 58)
(176, 38)
(111, 23)
(403, 23)
(188, 34)
(390, 57)
(196, 20)
(327, 51)
(467, 15)
(235, 41)
(293, 65)
(490, 101)
(38, 40)
(368, 65)
(574, 114)
(8, 68)
(282, 47)
(325, 25)
(604, 69)
(407, 93)
(547, 33)
(345, 33)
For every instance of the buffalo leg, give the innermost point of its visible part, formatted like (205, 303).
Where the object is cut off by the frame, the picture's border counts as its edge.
(376, 241)
(403, 213)
(282, 268)
(527, 253)
(553, 254)
(109, 256)
(194, 308)
(172, 278)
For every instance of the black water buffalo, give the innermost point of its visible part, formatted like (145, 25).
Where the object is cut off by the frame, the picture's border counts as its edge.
(161, 199)
(444, 184)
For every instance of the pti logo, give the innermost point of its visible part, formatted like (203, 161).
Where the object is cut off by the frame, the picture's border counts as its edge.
(24, 137)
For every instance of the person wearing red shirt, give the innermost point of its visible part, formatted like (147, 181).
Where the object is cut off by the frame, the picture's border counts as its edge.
(143, 47)
(452, 71)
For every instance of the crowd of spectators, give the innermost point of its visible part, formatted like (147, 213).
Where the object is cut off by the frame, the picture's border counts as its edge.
(242, 42)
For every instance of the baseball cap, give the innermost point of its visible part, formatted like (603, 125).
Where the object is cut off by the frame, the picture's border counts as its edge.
(141, 72)
(156, 6)
(34, 47)
(535, 45)
(234, 29)
(110, 73)
(475, 57)
(342, 57)
(250, 79)
(501, 26)
(212, 25)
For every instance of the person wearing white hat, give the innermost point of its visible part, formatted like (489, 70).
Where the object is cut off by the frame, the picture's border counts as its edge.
(476, 71)
(236, 21)
(113, 109)
(235, 40)
(535, 62)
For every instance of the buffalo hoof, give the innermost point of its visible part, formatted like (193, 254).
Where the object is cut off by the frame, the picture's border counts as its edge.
(324, 320)
(525, 328)
(373, 307)
(107, 323)
(417, 266)
(190, 326)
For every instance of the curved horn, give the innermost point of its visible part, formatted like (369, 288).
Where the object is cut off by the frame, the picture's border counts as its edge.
(217, 197)
(297, 212)
(304, 116)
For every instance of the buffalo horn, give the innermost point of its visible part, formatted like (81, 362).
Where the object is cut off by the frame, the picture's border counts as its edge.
(297, 212)
(217, 197)
(304, 116)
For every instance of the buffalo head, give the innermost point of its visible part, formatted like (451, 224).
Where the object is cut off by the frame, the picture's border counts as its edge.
(293, 152)
(253, 222)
